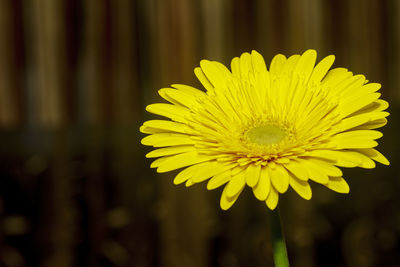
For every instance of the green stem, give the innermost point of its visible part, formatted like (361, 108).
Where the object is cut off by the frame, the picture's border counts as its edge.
(278, 240)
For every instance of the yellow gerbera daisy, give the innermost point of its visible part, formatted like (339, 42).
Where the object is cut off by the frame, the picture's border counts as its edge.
(269, 129)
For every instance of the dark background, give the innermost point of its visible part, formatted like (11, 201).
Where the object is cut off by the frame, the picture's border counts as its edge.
(75, 187)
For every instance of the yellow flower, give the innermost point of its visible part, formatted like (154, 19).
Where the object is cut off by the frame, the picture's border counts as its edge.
(267, 129)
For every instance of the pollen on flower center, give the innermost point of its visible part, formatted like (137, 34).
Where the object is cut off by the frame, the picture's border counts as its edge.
(266, 134)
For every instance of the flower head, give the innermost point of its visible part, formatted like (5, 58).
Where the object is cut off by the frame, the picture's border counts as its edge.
(267, 128)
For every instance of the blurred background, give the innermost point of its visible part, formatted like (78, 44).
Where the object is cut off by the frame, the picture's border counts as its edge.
(75, 187)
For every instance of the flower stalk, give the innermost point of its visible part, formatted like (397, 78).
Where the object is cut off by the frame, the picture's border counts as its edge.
(278, 240)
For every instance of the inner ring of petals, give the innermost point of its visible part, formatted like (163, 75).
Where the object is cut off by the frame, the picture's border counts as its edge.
(267, 134)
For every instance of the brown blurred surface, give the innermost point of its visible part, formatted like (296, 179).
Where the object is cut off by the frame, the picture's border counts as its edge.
(75, 187)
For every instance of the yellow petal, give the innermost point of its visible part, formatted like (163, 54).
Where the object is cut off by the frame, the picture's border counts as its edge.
(168, 151)
(290, 66)
(272, 200)
(338, 184)
(258, 62)
(189, 183)
(211, 169)
(187, 173)
(363, 89)
(252, 174)
(236, 184)
(161, 126)
(375, 155)
(279, 178)
(324, 167)
(174, 112)
(354, 144)
(352, 105)
(167, 139)
(227, 202)
(262, 188)
(328, 155)
(235, 66)
(347, 159)
(301, 187)
(372, 124)
(356, 139)
(182, 160)
(215, 74)
(379, 105)
(322, 68)
(359, 134)
(371, 88)
(349, 88)
(353, 121)
(297, 170)
(219, 180)
(178, 97)
(189, 89)
(203, 79)
(378, 115)
(365, 162)
(338, 157)
(305, 64)
(375, 113)
(334, 77)
(314, 173)
(277, 64)
(156, 163)
(245, 65)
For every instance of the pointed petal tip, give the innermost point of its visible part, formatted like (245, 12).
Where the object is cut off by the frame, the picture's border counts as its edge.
(339, 185)
(245, 54)
(204, 62)
(384, 161)
(143, 141)
(211, 185)
(308, 197)
(271, 205)
(279, 57)
(311, 51)
(189, 183)
(142, 129)
(272, 200)
(162, 92)
(330, 59)
(178, 181)
(153, 165)
(379, 157)
(225, 205)
(331, 56)
(198, 72)
(345, 190)
(150, 108)
(149, 155)
(160, 170)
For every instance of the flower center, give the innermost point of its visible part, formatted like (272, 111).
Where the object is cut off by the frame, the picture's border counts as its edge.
(266, 134)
